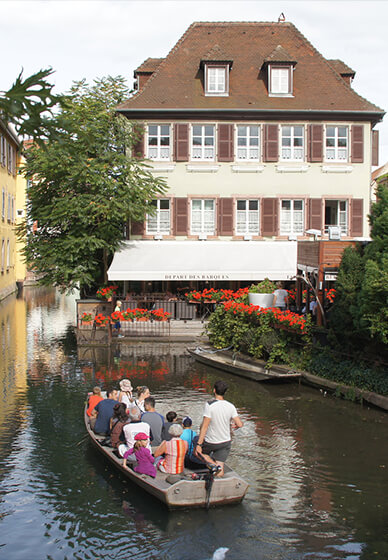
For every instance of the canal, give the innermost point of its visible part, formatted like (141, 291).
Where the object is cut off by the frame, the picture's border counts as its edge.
(317, 466)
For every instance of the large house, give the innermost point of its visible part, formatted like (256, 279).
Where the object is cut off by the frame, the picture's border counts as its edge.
(13, 200)
(263, 143)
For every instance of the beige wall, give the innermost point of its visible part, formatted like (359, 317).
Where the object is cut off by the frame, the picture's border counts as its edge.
(327, 180)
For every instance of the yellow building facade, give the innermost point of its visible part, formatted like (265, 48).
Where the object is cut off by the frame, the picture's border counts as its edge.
(12, 208)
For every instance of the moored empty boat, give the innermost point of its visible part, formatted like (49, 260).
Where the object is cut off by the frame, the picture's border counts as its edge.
(244, 366)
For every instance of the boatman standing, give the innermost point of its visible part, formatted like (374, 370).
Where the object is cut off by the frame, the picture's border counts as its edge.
(214, 439)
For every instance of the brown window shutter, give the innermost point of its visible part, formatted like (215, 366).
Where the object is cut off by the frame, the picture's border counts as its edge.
(375, 147)
(138, 150)
(225, 216)
(225, 142)
(356, 217)
(315, 142)
(137, 228)
(315, 213)
(269, 217)
(181, 142)
(271, 148)
(357, 143)
(180, 216)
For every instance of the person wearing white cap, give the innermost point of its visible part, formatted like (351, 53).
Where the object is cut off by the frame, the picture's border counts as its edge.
(125, 395)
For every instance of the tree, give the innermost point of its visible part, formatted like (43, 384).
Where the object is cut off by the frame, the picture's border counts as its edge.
(373, 296)
(85, 186)
(29, 105)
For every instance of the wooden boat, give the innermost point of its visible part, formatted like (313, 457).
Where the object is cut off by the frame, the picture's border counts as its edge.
(205, 491)
(244, 366)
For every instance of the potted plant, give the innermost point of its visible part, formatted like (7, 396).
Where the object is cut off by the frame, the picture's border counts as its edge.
(86, 319)
(107, 293)
(261, 294)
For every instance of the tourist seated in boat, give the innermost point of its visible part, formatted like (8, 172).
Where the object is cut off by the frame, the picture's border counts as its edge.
(171, 417)
(144, 458)
(103, 411)
(94, 399)
(154, 419)
(142, 393)
(174, 452)
(118, 421)
(125, 395)
(131, 429)
(188, 434)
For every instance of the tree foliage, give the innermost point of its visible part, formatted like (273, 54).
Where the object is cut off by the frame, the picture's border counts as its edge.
(84, 187)
(29, 105)
(361, 305)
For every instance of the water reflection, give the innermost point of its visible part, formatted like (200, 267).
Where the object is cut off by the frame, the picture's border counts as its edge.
(313, 493)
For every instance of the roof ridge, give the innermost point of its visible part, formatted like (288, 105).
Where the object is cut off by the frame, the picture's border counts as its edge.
(337, 76)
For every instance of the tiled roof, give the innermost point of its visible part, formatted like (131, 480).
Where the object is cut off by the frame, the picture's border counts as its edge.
(149, 65)
(383, 170)
(279, 54)
(177, 84)
(341, 67)
(216, 54)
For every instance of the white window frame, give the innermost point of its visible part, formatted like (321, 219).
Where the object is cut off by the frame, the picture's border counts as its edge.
(250, 147)
(3, 151)
(2, 255)
(342, 217)
(160, 219)
(201, 149)
(203, 227)
(163, 152)
(337, 157)
(278, 86)
(220, 85)
(295, 224)
(247, 217)
(297, 153)
(8, 254)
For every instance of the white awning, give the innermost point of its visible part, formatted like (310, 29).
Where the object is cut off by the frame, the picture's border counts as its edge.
(204, 260)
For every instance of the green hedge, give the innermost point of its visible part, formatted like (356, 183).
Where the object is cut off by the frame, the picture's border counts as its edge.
(327, 364)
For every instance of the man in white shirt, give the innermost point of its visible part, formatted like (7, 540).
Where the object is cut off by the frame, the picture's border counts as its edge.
(280, 297)
(130, 430)
(214, 439)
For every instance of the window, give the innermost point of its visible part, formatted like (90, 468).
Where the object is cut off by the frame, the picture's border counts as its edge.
(279, 80)
(3, 152)
(2, 255)
(202, 216)
(9, 208)
(247, 217)
(292, 143)
(159, 141)
(337, 143)
(8, 254)
(203, 142)
(336, 214)
(216, 78)
(160, 221)
(3, 199)
(291, 217)
(248, 142)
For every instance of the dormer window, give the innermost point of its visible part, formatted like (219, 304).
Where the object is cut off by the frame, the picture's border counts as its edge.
(216, 79)
(216, 66)
(280, 67)
(280, 80)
